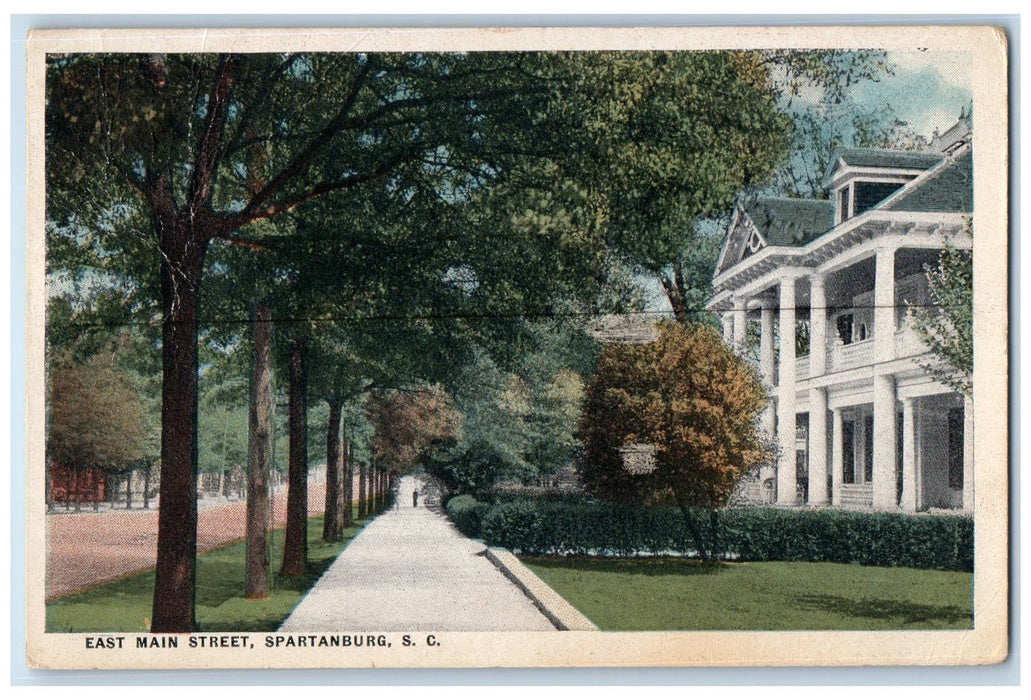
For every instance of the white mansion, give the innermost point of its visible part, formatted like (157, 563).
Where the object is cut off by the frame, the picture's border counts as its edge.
(858, 422)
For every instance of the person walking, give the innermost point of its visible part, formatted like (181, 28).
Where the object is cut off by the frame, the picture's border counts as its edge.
(415, 498)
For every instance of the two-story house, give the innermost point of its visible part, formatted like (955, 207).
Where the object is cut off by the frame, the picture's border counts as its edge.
(828, 285)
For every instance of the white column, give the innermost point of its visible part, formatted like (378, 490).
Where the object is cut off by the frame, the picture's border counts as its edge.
(766, 366)
(884, 305)
(786, 481)
(910, 481)
(837, 456)
(817, 446)
(817, 327)
(968, 453)
(728, 325)
(766, 343)
(740, 327)
(884, 442)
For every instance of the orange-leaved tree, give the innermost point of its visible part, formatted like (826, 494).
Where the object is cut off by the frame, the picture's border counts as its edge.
(673, 422)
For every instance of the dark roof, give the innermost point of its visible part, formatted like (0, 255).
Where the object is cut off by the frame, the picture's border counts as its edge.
(882, 158)
(790, 222)
(950, 189)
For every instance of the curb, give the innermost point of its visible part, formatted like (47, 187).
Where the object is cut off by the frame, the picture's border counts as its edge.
(554, 607)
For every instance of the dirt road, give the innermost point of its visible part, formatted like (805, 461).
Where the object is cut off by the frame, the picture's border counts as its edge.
(85, 549)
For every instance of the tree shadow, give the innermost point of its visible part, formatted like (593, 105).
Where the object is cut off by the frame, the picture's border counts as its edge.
(642, 566)
(885, 609)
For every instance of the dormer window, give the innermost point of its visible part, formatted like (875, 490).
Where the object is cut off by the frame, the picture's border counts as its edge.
(862, 178)
(869, 194)
(858, 196)
(845, 203)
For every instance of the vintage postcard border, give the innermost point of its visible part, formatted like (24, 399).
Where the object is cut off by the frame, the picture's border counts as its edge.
(986, 643)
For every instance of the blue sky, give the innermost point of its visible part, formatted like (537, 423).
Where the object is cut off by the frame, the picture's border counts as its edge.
(928, 89)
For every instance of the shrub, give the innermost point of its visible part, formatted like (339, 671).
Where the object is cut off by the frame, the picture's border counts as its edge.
(759, 534)
(517, 526)
(873, 539)
(467, 514)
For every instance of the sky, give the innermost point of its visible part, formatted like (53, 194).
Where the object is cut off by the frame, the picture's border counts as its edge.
(928, 89)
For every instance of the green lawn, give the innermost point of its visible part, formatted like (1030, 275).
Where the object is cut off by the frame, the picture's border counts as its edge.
(125, 606)
(675, 594)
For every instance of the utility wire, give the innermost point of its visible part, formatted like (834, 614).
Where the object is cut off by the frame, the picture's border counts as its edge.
(506, 316)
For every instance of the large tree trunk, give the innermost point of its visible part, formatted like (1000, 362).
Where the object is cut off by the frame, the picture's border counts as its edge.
(331, 520)
(259, 453)
(673, 287)
(347, 492)
(295, 546)
(182, 256)
(363, 484)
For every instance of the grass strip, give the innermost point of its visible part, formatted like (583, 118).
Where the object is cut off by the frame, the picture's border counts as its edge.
(682, 594)
(125, 605)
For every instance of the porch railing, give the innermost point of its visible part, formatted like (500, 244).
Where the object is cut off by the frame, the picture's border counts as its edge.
(852, 355)
(856, 495)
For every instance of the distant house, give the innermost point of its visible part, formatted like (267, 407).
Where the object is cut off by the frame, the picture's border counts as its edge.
(858, 421)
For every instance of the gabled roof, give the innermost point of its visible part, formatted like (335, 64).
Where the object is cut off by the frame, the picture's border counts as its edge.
(948, 189)
(789, 222)
(880, 158)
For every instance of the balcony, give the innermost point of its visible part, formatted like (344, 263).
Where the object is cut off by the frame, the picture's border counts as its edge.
(858, 354)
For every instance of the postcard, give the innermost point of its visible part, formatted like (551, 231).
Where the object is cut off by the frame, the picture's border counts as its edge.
(517, 347)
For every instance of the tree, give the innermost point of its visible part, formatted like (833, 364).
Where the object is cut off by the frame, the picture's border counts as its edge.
(149, 161)
(407, 423)
(516, 423)
(667, 140)
(96, 416)
(690, 399)
(259, 457)
(946, 325)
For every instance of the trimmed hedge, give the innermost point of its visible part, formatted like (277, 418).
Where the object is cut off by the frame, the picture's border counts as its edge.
(536, 527)
(467, 513)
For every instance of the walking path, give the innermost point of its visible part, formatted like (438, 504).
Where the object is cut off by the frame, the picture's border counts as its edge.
(408, 570)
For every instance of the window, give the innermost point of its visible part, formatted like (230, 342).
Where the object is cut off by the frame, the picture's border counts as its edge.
(870, 194)
(868, 449)
(956, 448)
(844, 328)
(848, 451)
(843, 203)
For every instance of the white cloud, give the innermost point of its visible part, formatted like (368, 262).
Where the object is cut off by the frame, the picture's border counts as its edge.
(954, 68)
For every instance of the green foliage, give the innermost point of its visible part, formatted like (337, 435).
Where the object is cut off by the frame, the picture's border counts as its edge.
(406, 424)
(517, 526)
(223, 438)
(467, 514)
(691, 398)
(545, 526)
(874, 539)
(947, 325)
(96, 416)
(514, 425)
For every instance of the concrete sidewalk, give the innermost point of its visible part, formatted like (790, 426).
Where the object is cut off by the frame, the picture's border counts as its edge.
(410, 569)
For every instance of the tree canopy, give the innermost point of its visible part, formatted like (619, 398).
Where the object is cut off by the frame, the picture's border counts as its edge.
(947, 324)
(96, 416)
(688, 406)
(410, 218)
